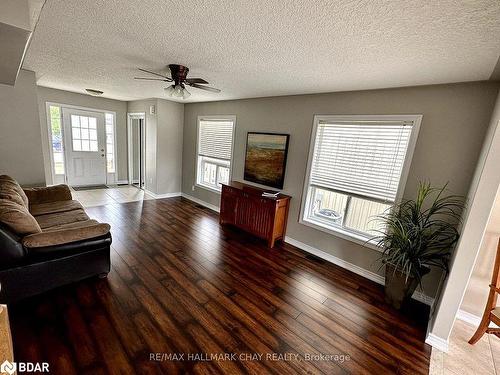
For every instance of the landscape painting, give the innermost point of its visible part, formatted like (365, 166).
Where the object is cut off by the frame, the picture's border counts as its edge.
(265, 159)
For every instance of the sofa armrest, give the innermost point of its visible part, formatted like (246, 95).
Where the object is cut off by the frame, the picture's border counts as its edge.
(11, 249)
(48, 194)
(64, 236)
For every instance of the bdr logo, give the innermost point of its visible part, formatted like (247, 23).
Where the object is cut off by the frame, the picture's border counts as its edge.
(11, 367)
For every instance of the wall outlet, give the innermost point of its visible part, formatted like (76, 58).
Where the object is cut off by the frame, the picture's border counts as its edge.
(152, 109)
(192, 187)
(150, 180)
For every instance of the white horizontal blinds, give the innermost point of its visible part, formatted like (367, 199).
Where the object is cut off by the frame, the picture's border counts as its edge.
(215, 138)
(363, 158)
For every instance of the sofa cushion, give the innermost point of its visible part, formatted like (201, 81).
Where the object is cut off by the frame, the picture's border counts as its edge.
(66, 234)
(9, 188)
(9, 194)
(48, 194)
(54, 207)
(18, 218)
(60, 218)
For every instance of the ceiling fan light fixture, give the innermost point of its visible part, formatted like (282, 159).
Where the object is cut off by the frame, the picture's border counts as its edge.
(185, 93)
(178, 91)
(169, 90)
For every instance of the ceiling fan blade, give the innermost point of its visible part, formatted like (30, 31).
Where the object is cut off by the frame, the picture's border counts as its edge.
(156, 74)
(196, 80)
(206, 88)
(152, 79)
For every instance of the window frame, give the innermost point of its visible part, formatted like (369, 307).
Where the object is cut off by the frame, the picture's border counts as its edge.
(353, 235)
(231, 118)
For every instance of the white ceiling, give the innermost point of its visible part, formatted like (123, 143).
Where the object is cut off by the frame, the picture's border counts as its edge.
(258, 48)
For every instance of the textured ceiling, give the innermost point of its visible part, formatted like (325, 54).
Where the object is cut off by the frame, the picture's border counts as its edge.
(264, 47)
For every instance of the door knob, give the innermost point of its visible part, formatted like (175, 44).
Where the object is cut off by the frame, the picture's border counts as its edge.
(102, 150)
(102, 155)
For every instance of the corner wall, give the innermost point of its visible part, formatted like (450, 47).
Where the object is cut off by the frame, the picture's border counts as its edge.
(484, 188)
(21, 153)
(164, 133)
(455, 120)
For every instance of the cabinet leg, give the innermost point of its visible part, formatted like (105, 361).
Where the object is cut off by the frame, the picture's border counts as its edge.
(270, 243)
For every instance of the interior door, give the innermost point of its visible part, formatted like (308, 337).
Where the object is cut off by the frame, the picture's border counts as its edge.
(85, 147)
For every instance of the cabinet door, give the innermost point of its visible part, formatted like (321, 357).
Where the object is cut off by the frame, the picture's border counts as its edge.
(255, 215)
(245, 212)
(228, 207)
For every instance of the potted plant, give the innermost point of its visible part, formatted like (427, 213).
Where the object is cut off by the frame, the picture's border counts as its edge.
(417, 235)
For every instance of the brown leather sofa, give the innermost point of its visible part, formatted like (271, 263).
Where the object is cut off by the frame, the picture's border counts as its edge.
(47, 240)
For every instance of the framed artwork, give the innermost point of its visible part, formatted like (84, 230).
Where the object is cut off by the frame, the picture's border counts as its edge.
(265, 158)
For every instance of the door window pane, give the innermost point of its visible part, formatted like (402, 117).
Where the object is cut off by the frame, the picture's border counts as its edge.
(85, 145)
(84, 133)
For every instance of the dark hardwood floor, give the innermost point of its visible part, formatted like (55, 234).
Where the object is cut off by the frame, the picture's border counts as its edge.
(182, 284)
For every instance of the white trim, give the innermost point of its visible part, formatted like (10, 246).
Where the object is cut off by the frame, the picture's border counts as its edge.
(437, 342)
(471, 319)
(161, 196)
(468, 318)
(379, 279)
(122, 182)
(342, 233)
(200, 202)
(196, 167)
(130, 116)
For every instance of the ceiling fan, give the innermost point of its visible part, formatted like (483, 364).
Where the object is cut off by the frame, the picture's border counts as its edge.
(179, 78)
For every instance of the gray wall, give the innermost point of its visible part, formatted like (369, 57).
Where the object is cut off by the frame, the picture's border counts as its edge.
(484, 188)
(169, 146)
(455, 119)
(20, 138)
(163, 144)
(46, 94)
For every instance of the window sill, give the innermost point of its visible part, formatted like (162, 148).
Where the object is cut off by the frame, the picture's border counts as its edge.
(209, 188)
(346, 235)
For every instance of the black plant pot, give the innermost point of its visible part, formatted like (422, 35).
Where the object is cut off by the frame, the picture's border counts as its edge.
(398, 288)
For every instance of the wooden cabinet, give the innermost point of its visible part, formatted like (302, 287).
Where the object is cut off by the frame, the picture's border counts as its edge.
(244, 207)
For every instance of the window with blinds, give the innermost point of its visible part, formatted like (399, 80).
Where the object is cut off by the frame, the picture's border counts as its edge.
(357, 168)
(215, 147)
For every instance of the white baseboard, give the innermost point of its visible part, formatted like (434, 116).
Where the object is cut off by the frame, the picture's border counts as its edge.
(472, 319)
(122, 182)
(468, 318)
(161, 196)
(418, 295)
(200, 202)
(437, 342)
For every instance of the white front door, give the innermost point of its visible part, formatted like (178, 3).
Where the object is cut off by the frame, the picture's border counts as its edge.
(85, 145)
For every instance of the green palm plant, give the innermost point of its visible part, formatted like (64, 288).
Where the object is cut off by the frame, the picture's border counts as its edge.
(420, 233)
